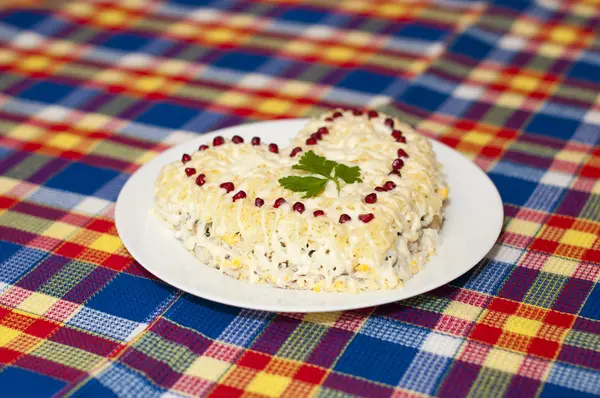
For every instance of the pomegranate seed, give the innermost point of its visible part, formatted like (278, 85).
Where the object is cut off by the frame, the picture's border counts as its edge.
(395, 172)
(397, 164)
(402, 153)
(203, 147)
(255, 141)
(344, 218)
(396, 134)
(190, 171)
(278, 202)
(323, 130)
(299, 207)
(401, 140)
(316, 136)
(295, 151)
(237, 139)
(380, 189)
(318, 213)
(200, 180)
(372, 114)
(366, 217)
(389, 185)
(356, 112)
(389, 122)
(337, 114)
(258, 202)
(273, 148)
(311, 141)
(239, 195)
(328, 119)
(218, 141)
(186, 158)
(228, 186)
(371, 198)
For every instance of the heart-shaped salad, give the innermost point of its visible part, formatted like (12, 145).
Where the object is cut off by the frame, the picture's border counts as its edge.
(354, 203)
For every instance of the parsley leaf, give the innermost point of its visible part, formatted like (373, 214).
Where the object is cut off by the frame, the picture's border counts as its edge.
(311, 186)
(315, 164)
(348, 174)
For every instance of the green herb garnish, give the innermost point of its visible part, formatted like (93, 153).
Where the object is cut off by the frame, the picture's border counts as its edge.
(328, 170)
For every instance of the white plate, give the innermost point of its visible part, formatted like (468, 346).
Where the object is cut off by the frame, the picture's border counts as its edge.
(473, 221)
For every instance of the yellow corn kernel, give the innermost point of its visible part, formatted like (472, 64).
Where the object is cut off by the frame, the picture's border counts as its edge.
(443, 192)
(339, 285)
(362, 268)
(236, 262)
(230, 239)
(316, 289)
(287, 278)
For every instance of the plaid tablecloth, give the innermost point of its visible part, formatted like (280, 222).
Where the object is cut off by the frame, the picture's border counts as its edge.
(89, 91)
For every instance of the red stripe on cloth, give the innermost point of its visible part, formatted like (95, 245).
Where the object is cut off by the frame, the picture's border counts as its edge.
(49, 368)
(355, 386)
(85, 341)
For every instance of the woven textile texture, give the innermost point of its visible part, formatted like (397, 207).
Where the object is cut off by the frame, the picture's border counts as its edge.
(91, 90)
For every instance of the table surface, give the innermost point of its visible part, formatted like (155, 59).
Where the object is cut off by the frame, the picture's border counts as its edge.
(89, 91)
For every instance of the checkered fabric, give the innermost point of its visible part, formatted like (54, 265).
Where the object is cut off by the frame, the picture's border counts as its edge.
(91, 90)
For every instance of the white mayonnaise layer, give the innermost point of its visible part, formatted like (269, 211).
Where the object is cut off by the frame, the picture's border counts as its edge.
(292, 250)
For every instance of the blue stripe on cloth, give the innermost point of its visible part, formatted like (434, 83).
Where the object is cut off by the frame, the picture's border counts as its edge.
(577, 379)
(16, 382)
(16, 261)
(394, 332)
(123, 381)
(424, 382)
(103, 324)
(245, 327)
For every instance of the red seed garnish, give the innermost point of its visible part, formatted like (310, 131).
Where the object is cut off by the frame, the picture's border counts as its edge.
(217, 141)
(372, 114)
(299, 207)
(389, 185)
(237, 139)
(344, 218)
(311, 141)
(203, 147)
(380, 189)
(228, 186)
(295, 151)
(395, 172)
(401, 140)
(255, 141)
(323, 130)
(239, 195)
(356, 112)
(402, 153)
(200, 180)
(186, 158)
(396, 134)
(273, 148)
(190, 171)
(328, 119)
(389, 122)
(337, 114)
(366, 217)
(318, 213)
(316, 136)
(371, 198)
(397, 164)
(278, 202)
(258, 202)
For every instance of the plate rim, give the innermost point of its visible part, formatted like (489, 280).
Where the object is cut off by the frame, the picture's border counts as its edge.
(274, 307)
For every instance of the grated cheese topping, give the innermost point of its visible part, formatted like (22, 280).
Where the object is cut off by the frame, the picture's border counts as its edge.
(287, 249)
